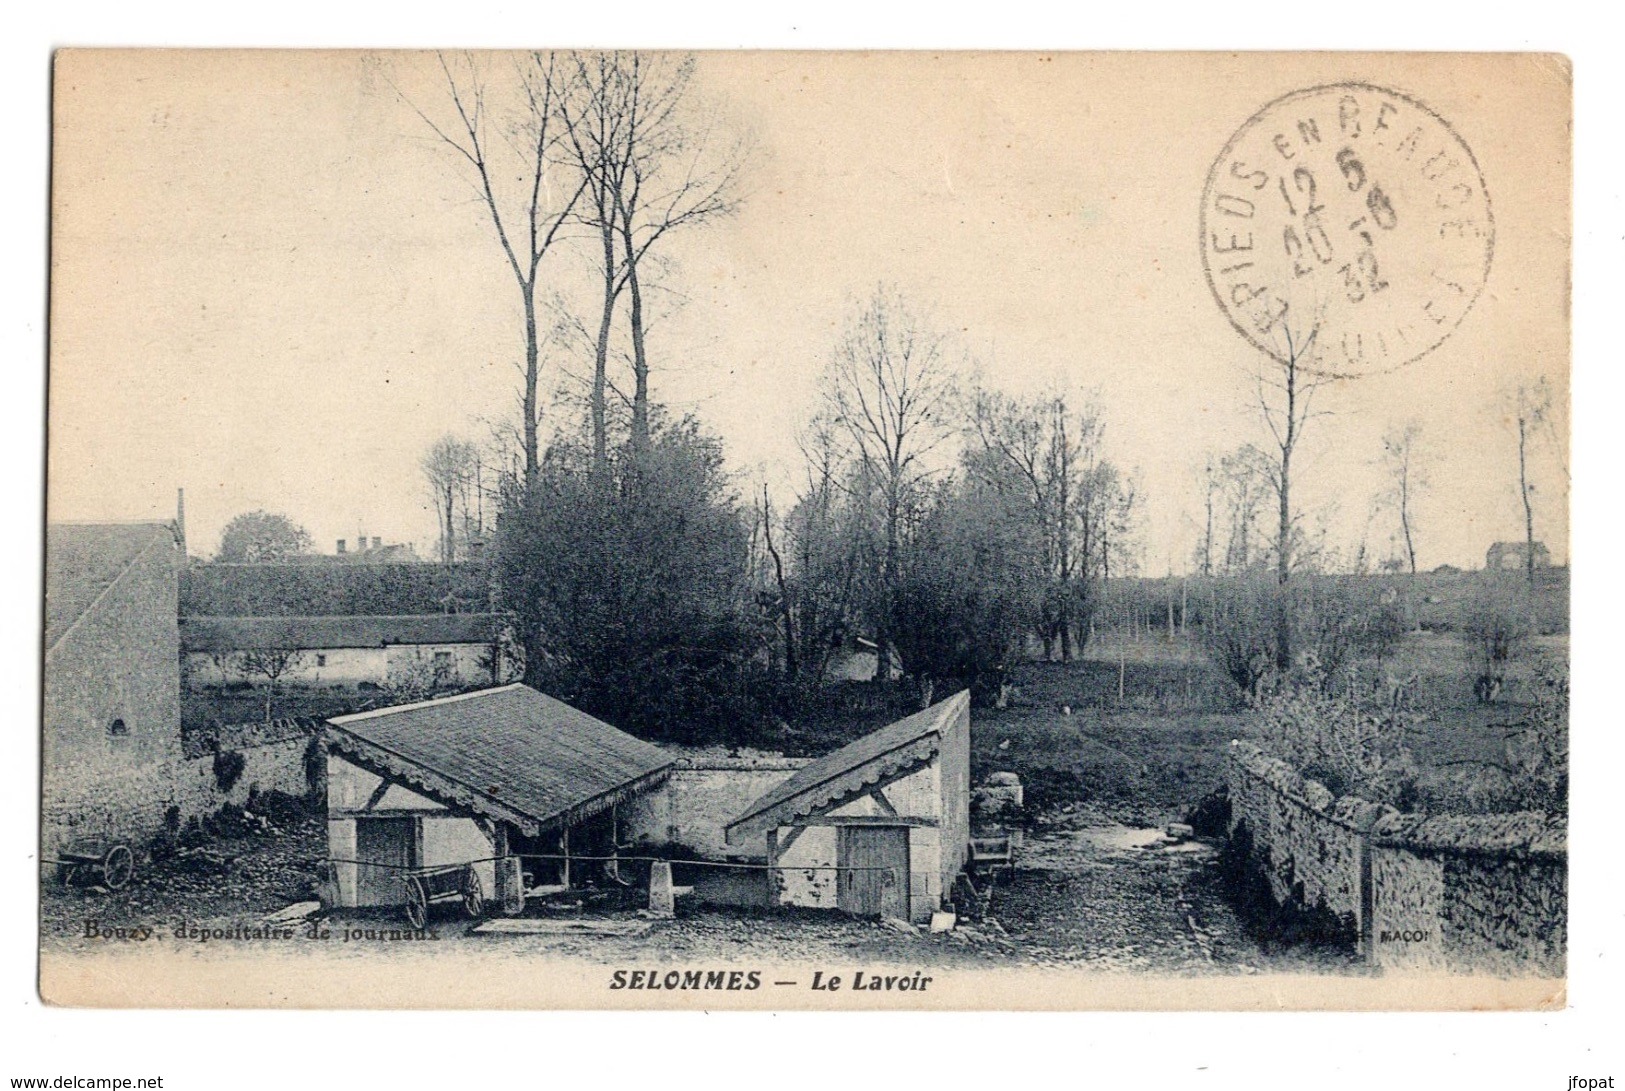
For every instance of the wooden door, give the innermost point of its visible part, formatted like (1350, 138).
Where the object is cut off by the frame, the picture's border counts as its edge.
(384, 847)
(873, 875)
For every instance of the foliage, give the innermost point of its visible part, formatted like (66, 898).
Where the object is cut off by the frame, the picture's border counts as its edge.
(259, 537)
(1496, 624)
(1537, 752)
(228, 768)
(629, 589)
(1238, 627)
(1352, 739)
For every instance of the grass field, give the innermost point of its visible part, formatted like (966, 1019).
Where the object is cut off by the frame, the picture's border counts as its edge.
(1139, 729)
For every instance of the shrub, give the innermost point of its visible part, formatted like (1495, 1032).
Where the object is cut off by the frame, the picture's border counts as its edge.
(1496, 625)
(1238, 628)
(228, 768)
(1353, 741)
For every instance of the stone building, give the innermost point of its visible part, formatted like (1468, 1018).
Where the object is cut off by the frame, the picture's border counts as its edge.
(111, 707)
(879, 827)
(1512, 556)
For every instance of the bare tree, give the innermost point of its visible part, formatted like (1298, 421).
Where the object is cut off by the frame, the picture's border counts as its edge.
(651, 163)
(888, 388)
(271, 664)
(512, 150)
(1286, 384)
(449, 468)
(1531, 406)
(1406, 478)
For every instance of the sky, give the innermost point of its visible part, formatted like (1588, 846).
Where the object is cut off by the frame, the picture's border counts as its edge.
(270, 285)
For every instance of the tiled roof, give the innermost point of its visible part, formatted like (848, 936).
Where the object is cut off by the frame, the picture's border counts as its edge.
(867, 760)
(362, 587)
(225, 634)
(82, 560)
(510, 753)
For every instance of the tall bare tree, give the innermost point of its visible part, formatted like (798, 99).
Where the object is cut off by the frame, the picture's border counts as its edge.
(1401, 458)
(1531, 405)
(511, 147)
(652, 163)
(888, 388)
(1286, 383)
(449, 468)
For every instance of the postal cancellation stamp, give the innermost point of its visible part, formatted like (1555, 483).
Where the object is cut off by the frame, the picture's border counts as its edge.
(1350, 209)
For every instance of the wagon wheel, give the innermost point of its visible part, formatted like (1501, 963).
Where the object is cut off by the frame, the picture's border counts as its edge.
(473, 894)
(417, 902)
(117, 867)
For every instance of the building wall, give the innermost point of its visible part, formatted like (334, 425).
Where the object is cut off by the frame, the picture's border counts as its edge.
(447, 838)
(467, 664)
(806, 874)
(119, 661)
(954, 789)
(698, 800)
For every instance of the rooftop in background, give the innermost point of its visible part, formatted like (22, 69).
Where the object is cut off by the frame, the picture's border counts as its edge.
(226, 634)
(320, 590)
(82, 560)
(510, 753)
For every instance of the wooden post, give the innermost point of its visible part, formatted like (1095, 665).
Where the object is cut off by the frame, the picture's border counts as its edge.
(565, 870)
(773, 867)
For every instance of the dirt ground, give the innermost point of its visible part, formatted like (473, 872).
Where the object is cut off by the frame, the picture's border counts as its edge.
(1089, 892)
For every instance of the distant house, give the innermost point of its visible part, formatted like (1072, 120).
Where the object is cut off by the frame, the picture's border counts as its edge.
(112, 673)
(854, 659)
(1513, 556)
(442, 650)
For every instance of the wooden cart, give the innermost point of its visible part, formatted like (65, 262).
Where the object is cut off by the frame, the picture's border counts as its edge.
(449, 882)
(111, 862)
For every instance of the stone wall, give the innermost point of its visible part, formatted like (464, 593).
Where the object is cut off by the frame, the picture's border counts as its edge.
(700, 797)
(1471, 893)
(1312, 846)
(1466, 894)
(134, 803)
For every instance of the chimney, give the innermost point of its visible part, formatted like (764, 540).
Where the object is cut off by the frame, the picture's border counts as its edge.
(341, 545)
(180, 520)
(377, 543)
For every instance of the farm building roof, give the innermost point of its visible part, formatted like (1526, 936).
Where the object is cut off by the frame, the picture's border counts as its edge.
(363, 587)
(227, 634)
(82, 560)
(846, 772)
(510, 753)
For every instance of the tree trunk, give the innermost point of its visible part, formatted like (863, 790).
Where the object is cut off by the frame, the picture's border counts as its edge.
(1528, 509)
(532, 376)
(640, 360)
(1283, 565)
(600, 374)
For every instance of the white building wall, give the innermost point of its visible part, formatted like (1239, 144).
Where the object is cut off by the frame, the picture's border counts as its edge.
(806, 873)
(466, 664)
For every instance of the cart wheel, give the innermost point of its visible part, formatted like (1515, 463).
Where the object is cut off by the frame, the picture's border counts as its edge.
(117, 867)
(417, 903)
(473, 894)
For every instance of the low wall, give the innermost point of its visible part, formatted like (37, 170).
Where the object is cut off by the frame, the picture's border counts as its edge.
(700, 797)
(1312, 846)
(131, 805)
(1481, 893)
(1468, 893)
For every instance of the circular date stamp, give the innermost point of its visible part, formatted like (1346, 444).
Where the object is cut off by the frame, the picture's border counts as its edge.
(1349, 217)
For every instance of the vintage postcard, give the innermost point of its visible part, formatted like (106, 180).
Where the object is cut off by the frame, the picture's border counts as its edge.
(807, 531)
